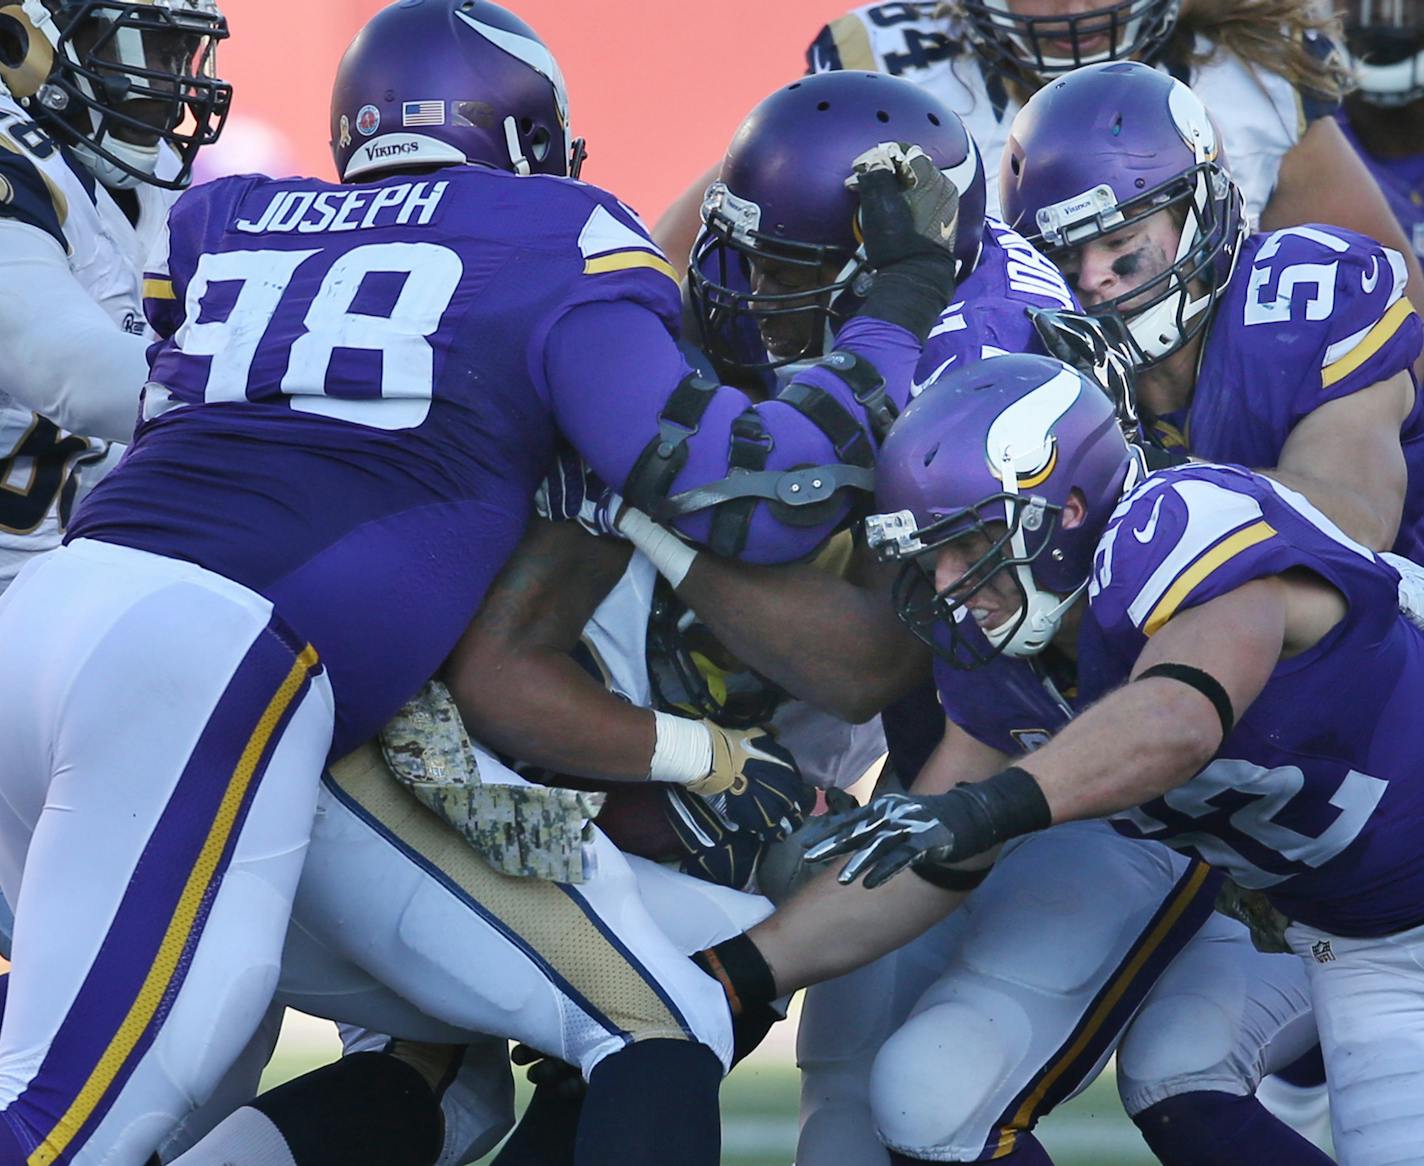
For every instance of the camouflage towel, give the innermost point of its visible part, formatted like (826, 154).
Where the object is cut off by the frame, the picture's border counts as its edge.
(526, 830)
(1266, 924)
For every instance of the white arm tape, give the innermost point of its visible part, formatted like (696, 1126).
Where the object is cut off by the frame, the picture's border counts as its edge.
(65, 358)
(683, 753)
(668, 553)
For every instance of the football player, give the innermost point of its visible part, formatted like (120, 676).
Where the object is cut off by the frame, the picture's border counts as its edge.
(827, 643)
(334, 460)
(1288, 350)
(103, 107)
(1210, 613)
(1383, 116)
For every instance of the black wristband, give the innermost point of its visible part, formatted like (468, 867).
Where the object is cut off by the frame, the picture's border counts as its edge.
(950, 878)
(912, 292)
(738, 965)
(1204, 682)
(989, 812)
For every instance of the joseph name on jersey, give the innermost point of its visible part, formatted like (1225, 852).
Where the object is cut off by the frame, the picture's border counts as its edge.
(347, 412)
(1315, 793)
(1312, 314)
(44, 187)
(1262, 115)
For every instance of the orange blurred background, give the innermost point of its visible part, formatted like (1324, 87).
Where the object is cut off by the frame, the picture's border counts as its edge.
(657, 88)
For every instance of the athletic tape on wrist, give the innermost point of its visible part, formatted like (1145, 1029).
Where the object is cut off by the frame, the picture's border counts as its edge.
(669, 554)
(683, 751)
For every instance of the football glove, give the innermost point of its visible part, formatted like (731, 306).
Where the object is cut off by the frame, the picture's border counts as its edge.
(1095, 346)
(559, 1077)
(1266, 924)
(1411, 586)
(908, 206)
(754, 783)
(716, 851)
(572, 492)
(898, 830)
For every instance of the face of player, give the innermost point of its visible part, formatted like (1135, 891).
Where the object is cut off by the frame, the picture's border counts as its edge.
(791, 331)
(168, 54)
(995, 602)
(1058, 42)
(1119, 262)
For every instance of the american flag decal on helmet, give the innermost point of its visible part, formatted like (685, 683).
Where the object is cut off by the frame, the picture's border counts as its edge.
(423, 113)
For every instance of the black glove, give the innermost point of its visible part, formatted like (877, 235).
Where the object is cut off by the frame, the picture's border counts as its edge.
(717, 851)
(561, 1078)
(1096, 346)
(754, 783)
(909, 219)
(897, 830)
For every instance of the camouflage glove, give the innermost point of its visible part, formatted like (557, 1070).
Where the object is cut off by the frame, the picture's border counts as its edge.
(908, 206)
(1266, 924)
(754, 783)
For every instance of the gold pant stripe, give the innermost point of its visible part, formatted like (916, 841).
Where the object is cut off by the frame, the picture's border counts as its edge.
(543, 919)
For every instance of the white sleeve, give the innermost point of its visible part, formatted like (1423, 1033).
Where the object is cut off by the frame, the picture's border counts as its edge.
(65, 358)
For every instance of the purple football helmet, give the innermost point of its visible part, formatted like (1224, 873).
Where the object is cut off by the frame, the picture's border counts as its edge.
(782, 201)
(1386, 43)
(994, 450)
(1041, 47)
(1107, 146)
(444, 82)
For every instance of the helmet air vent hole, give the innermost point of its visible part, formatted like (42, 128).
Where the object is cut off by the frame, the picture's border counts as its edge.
(881, 115)
(1117, 125)
(934, 120)
(526, 125)
(823, 106)
(1140, 183)
(794, 85)
(1016, 165)
(931, 454)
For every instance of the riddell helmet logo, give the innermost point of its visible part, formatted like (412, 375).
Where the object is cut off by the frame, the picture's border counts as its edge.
(368, 120)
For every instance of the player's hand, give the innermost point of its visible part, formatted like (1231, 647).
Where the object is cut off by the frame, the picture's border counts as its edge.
(549, 1073)
(1266, 924)
(717, 850)
(890, 833)
(1096, 346)
(572, 492)
(754, 783)
(908, 206)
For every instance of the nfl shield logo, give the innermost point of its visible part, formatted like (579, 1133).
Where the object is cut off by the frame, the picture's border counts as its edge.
(1320, 949)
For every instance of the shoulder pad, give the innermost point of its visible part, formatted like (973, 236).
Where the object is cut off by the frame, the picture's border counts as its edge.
(30, 196)
(613, 238)
(884, 38)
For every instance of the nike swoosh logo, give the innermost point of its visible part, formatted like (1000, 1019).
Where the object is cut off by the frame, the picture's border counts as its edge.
(918, 387)
(1143, 534)
(1368, 281)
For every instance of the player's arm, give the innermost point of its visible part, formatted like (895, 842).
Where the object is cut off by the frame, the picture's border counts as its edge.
(676, 230)
(65, 358)
(763, 482)
(828, 929)
(1347, 459)
(829, 639)
(1197, 674)
(1323, 180)
(517, 687)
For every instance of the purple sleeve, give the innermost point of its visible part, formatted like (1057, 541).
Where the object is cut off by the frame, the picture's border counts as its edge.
(610, 368)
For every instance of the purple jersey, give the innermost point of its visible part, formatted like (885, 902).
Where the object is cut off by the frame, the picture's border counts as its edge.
(1316, 795)
(1402, 182)
(1312, 314)
(989, 315)
(1008, 704)
(358, 388)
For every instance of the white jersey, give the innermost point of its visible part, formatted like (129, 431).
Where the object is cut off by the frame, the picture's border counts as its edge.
(830, 752)
(44, 187)
(1261, 115)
